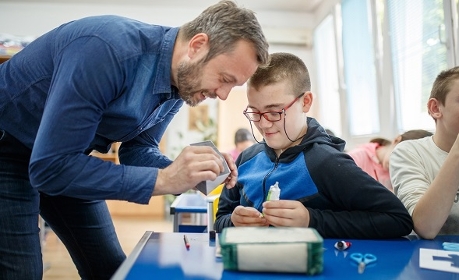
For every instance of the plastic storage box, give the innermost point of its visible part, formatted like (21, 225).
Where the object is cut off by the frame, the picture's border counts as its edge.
(271, 249)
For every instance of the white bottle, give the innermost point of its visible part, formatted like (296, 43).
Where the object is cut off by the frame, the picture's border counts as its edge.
(274, 192)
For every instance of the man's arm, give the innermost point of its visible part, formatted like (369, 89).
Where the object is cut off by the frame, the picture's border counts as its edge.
(76, 101)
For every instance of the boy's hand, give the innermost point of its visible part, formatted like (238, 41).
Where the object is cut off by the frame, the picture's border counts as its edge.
(247, 217)
(286, 213)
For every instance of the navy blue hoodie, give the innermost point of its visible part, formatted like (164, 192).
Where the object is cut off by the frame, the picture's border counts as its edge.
(343, 201)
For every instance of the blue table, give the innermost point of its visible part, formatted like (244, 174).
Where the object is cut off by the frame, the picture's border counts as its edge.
(164, 256)
(191, 203)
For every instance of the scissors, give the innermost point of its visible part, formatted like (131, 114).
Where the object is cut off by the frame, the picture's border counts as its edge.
(362, 260)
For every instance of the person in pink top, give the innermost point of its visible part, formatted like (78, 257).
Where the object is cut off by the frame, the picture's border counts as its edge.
(373, 157)
(243, 139)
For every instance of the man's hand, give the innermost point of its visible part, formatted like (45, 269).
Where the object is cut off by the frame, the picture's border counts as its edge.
(193, 165)
(248, 217)
(286, 213)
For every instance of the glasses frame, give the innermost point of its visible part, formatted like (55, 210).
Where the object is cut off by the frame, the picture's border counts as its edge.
(262, 114)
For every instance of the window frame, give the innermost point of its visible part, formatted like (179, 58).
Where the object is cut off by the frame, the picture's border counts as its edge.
(387, 104)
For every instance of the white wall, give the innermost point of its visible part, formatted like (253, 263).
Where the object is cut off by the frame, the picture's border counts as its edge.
(25, 18)
(33, 18)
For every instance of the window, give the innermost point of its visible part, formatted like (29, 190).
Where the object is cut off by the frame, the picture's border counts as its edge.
(359, 68)
(327, 76)
(379, 59)
(419, 53)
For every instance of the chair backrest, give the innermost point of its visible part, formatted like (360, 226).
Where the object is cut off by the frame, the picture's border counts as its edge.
(212, 206)
(217, 191)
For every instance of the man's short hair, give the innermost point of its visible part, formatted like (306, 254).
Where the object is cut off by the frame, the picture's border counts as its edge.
(226, 24)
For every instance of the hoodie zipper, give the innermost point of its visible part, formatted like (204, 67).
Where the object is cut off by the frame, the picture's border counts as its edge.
(264, 181)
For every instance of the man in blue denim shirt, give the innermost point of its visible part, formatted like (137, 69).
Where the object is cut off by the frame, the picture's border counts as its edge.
(87, 84)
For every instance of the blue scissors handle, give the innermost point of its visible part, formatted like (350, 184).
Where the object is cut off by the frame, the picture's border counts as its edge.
(449, 246)
(363, 258)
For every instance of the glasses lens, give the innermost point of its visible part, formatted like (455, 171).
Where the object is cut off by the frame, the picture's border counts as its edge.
(273, 116)
(254, 117)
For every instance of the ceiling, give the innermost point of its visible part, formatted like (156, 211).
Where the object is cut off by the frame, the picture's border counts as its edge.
(308, 6)
(304, 6)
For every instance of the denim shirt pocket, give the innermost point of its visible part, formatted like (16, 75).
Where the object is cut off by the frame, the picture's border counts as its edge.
(158, 115)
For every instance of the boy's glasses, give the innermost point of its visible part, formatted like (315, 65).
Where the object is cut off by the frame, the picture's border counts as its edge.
(272, 116)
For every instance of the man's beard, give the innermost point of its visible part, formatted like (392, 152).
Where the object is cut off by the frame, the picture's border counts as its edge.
(189, 81)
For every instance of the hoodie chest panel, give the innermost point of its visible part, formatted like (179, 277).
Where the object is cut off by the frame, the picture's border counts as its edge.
(259, 173)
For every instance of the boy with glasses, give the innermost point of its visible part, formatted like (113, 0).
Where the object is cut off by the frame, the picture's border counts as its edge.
(320, 186)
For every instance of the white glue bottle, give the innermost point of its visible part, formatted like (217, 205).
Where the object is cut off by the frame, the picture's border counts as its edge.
(274, 192)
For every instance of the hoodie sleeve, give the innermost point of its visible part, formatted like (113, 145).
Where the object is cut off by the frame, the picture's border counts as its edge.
(229, 200)
(363, 208)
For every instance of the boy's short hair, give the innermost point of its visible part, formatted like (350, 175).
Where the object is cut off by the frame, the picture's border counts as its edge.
(443, 83)
(415, 134)
(381, 141)
(407, 135)
(242, 135)
(282, 66)
(225, 23)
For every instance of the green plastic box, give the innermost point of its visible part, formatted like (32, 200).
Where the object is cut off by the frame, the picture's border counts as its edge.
(272, 249)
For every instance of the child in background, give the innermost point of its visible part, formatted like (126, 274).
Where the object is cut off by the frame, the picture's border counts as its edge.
(373, 157)
(320, 186)
(243, 139)
(425, 172)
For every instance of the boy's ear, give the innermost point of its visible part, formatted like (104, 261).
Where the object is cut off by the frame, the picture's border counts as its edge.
(433, 106)
(307, 101)
(198, 46)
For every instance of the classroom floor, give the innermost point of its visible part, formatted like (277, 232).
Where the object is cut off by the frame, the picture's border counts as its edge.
(59, 265)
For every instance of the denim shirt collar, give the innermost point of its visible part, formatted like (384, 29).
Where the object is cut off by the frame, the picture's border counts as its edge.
(162, 83)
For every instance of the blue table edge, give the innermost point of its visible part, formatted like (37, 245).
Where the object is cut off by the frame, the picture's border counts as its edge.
(175, 208)
(126, 266)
